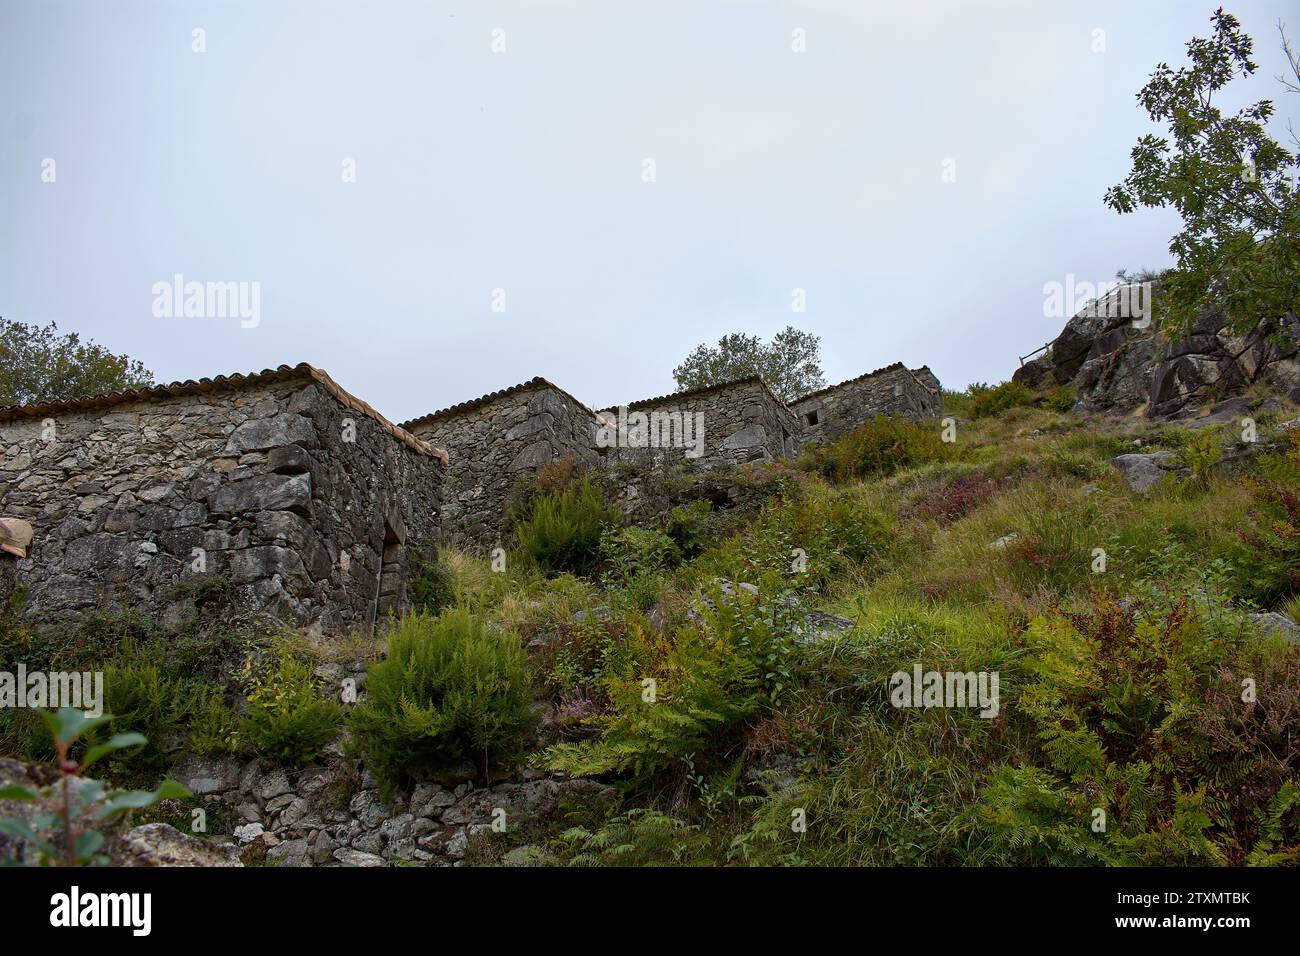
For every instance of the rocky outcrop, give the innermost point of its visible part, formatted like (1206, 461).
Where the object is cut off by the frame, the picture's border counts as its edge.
(1114, 365)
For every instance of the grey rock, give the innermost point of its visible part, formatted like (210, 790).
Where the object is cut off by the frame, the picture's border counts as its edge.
(349, 857)
(274, 784)
(204, 775)
(1144, 471)
(280, 802)
(322, 849)
(290, 853)
(248, 832)
(1274, 623)
(368, 808)
(160, 844)
(263, 493)
(282, 429)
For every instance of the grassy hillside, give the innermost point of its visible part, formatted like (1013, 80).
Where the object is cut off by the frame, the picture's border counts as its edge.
(1118, 624)
(1142, 716)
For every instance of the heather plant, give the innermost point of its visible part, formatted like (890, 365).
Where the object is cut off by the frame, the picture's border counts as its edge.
(955, 499)
(143, 694)
(449, 690)
(562, 533)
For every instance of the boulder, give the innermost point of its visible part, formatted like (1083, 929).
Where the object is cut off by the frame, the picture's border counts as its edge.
(1144, 471)
(161, 844)
(1272, 622)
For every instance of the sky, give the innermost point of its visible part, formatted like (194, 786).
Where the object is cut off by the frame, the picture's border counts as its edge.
(436, 200)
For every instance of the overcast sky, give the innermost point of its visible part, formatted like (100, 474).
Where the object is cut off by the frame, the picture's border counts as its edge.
(524, 170)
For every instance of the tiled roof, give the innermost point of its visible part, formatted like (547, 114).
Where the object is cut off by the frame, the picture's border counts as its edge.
(220, 383)
(704, 390)
(473, 403)
(861, 378)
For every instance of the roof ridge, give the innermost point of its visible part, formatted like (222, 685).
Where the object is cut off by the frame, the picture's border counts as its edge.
(686, 393)
(235, 380)
(537, 381)
(892, 367)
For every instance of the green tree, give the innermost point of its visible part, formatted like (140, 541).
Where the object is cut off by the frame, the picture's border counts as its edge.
(790, 363)
(38, 364)
(1232, 183)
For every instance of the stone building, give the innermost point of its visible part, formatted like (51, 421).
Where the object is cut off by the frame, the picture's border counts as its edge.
(495, 439)
(828, 413)
(927, 378)
(303, 499)
(726, 424)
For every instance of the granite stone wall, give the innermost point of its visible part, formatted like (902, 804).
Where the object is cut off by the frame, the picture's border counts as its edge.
(305, 503)
(727, 424)
(827, 414)
(493, 441)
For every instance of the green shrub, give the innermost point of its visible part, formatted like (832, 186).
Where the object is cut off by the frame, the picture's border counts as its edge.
(141, 696)
(432, 586)
(448, 690)
(879, 447)
(1058, 399)
(688, 527)
(819, 534)
(214, 726)
(986, 401)
(286, 720)
(633, 560)
(562, 533)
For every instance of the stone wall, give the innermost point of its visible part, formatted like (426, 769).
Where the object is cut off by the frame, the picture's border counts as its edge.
(829, 413)
(333, 815)
(742, 421)
(495, 440)
(303, 499)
